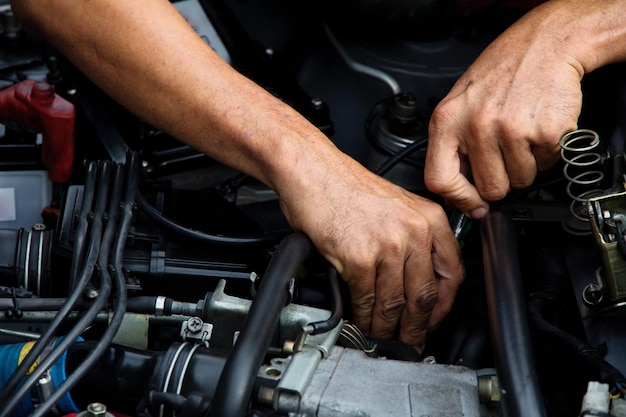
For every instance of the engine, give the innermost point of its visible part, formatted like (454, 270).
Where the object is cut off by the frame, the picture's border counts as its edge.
(139, 277)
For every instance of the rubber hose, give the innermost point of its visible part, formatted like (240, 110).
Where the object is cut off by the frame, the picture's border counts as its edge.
(198, 235)
(84, 321)
(507, 319)
(239, 374)
(84, 277)
(119, 303)
(333, 321)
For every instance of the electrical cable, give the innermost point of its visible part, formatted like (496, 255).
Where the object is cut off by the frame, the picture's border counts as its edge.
(36, 304)
(157, 216)
(327, 325)
(60, 348)
(82, 222)
(105, 289)
(399, 156)
(120, 230)
(64, 311)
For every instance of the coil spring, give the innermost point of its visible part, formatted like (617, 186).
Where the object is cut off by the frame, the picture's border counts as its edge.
(578, 152)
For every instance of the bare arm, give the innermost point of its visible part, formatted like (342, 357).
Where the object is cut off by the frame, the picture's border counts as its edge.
(395, 249)
(503, 118)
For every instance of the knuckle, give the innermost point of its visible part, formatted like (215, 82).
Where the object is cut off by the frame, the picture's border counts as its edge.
(413, 334)
(480, 126)
(493, 188)
(436, 183)
(493, 192)
(521, 182)
(394, 242)
(427, 297)
(363, 305)
(392, 308)
(360, 259)
(445, 113)
(420, 223)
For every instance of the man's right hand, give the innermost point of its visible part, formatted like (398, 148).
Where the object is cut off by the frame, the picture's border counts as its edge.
(504, 117)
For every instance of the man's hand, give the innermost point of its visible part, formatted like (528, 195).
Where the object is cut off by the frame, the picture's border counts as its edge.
(395, 250)
(504, 117)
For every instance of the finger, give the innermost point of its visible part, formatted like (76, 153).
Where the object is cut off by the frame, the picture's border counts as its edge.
(443, 175)
(546, 155)
(449, 272)
(421, 294)
(390, 300)
(363, 297)
(520, 163)
(488, 169)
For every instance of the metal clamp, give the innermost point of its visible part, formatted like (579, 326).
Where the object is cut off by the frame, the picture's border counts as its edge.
(196, 330)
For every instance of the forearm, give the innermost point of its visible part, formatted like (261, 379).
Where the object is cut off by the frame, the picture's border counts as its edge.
(147, 57)
(593, 32)
(388, 244)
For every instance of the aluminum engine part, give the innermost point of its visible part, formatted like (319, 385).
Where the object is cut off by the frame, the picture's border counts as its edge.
(604, 214)
(349, 384)
(227, 313)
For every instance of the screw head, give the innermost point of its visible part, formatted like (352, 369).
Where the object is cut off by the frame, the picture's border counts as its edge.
(96, 410)
(194, 324)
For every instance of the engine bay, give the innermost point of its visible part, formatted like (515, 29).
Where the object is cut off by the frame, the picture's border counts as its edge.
(139, 277)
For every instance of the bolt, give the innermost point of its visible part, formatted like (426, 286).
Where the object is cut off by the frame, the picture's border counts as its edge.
(39, 227)
(91, 293)
(592, 295)
(317, 104)
(96, 410)
(488, 389)
(71, 93)
(429, 360)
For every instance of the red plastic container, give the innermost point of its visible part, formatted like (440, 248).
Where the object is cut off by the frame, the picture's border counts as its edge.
(37, 106)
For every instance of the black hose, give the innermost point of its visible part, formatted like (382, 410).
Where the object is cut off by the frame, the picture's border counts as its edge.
(114, 228)
(127, 211)
(59, 349)
(82, 223)
(37, 304)
(507, 319)
(239, 374)
(76, 293)
(145, 304)
(337, 306)
(397, 157)
(198, 235)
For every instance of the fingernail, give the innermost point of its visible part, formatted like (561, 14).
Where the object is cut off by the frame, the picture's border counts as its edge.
(478, 213)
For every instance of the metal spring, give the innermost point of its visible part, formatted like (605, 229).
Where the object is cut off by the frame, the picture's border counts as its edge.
(577, 151)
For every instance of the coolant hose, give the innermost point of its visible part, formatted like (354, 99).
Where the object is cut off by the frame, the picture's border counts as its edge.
(507, 319)
(11, 356)
(239, 374)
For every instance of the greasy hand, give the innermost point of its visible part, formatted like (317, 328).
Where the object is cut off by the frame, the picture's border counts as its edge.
(395, 250)
(503, 118)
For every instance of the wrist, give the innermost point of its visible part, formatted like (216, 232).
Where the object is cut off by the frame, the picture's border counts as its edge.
(590, 33)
